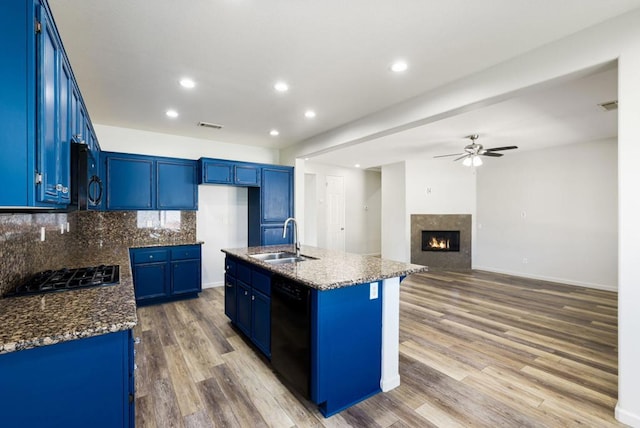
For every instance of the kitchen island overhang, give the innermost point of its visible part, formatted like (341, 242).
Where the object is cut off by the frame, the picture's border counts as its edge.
(355, 305)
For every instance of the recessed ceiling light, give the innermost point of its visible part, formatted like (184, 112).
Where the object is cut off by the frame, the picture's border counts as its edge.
(309, 114)
(399, 66)
(306, 158)
(357, 165)
(172, 113)
(281, 86)
(274, 133)
(187, 83)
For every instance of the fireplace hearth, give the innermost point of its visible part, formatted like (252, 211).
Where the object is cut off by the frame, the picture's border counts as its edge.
(441, 240)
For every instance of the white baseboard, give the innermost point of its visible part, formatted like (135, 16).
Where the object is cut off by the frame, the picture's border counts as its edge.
(213, 284)
(604, 287)
(389, 384)
(626, 417)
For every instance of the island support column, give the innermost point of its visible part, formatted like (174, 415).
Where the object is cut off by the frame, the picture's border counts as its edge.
(390, 377)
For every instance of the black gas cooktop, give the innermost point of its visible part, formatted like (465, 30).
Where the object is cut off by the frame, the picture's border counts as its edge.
(68, 279)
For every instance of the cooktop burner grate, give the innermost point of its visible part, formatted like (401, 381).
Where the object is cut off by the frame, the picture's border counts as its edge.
(68, 279)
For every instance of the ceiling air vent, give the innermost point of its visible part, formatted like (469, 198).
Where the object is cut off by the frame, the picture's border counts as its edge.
(209, 125)
(611, 105)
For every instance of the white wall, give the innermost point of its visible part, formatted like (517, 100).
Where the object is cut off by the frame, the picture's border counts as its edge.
(126, 140)
(222, 210)
(362, 189)
(440, 186)
(557, 208)
(395, 219)
(222, 223)
(628, 408)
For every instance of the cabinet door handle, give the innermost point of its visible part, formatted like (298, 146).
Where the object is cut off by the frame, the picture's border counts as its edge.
(253, 297)
(246, 293)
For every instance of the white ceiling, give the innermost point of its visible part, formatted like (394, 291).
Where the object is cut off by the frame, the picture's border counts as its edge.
(129, 55)
(566, 113)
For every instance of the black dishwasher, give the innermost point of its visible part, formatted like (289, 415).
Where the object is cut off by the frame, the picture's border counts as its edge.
(291, 332)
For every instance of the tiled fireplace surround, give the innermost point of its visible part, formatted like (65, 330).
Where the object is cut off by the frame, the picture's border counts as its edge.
(441, 260)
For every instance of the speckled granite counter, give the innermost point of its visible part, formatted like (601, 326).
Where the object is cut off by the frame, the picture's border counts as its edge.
(171, 243)
(45, 319)
(331, 269)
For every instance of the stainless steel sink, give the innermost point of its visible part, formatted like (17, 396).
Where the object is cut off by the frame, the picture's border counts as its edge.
(280, 257)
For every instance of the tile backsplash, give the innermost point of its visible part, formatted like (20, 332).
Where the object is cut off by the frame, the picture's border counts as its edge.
(23, 253)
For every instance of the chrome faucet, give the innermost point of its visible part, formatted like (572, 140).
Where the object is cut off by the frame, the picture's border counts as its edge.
(296, 240)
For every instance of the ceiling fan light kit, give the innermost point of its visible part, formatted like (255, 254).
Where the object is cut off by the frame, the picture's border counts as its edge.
(473, 151)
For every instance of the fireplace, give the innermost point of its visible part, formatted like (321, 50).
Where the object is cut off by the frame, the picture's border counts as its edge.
(441, 240)
(451, 235)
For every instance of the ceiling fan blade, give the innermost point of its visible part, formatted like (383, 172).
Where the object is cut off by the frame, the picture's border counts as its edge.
(462, 157)
(491, 154)
(444, 156)
(495, 149)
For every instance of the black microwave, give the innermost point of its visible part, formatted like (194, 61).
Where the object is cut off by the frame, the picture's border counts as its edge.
(86, 186)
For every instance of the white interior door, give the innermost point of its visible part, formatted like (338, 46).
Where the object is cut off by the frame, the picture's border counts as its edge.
(335, 213)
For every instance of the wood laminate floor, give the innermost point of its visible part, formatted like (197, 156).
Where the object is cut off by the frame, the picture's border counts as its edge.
(476, 350)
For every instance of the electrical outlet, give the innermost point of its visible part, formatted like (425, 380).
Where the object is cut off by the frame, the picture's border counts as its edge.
(525, 260)
(373, 291)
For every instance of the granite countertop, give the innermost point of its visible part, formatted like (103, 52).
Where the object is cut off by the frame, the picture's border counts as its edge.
(331, 269)
(171, 243)
(44, 319)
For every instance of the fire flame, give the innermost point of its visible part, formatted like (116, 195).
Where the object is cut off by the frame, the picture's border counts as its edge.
(442, 244)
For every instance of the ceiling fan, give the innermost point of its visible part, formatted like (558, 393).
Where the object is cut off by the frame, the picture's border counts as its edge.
(473, 151)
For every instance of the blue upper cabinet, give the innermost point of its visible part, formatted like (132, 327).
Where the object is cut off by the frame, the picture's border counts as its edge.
(276, 199)
(246, 175)
(177, 187)
(219, 171)
(39, 104)
(135, 182)
(130, 182)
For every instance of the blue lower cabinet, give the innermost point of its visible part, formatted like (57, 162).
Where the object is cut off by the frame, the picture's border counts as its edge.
(261, 321)
(247, 301)
(151, 280)
(186, 276)
(346, 347)
(162, 274)
(243, 308)
(230, 290)
(79, 383)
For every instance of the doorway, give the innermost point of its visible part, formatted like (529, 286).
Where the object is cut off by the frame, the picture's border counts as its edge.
(335, 212)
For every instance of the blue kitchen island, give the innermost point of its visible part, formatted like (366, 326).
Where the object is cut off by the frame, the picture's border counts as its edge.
(328, 321)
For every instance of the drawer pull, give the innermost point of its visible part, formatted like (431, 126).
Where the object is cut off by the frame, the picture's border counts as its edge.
(150, 257)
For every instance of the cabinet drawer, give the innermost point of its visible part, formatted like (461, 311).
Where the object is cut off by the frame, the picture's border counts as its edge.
(243, 272)
(261, 281)
(182, 253)
(230, 266)
(150, 256)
